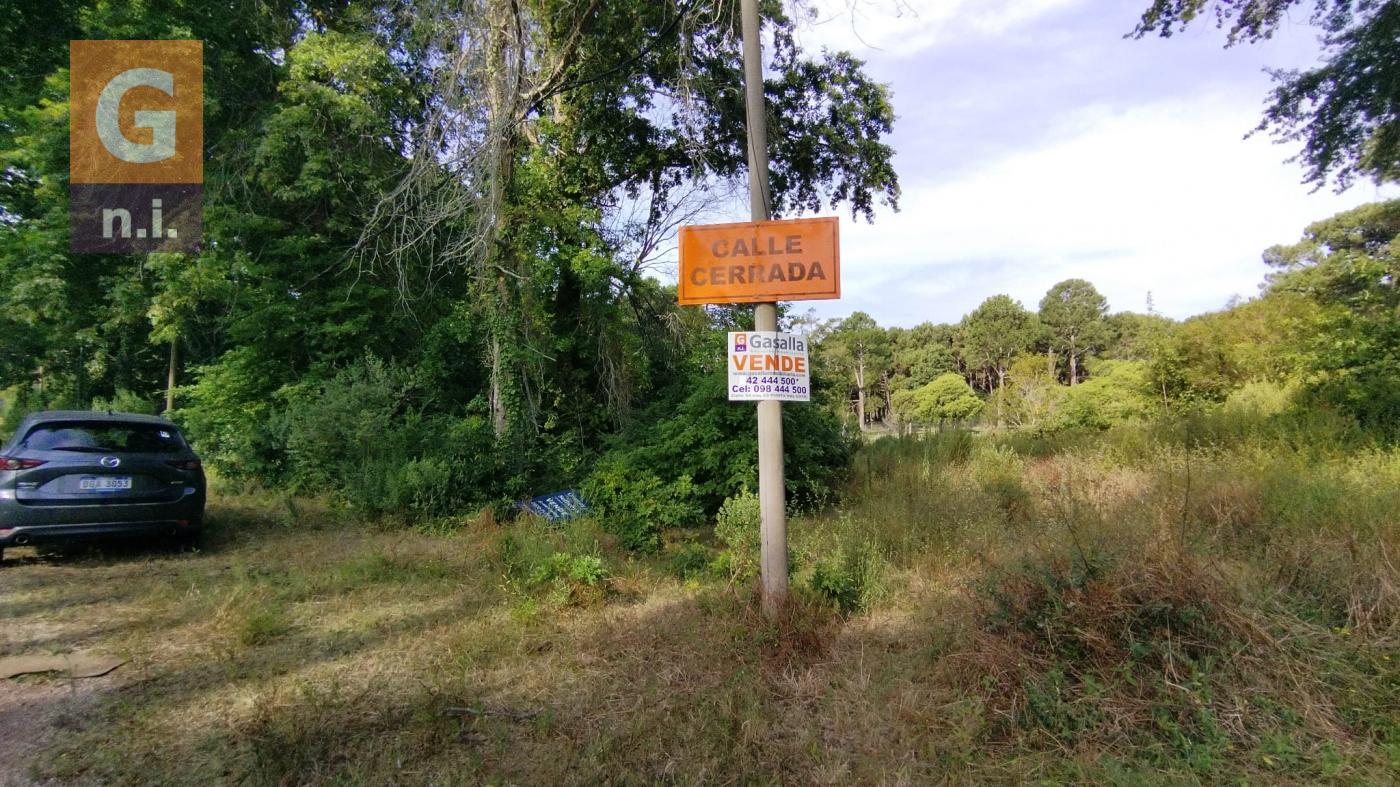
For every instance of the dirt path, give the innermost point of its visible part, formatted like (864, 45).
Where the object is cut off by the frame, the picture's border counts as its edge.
(31, 712)
(33, 708)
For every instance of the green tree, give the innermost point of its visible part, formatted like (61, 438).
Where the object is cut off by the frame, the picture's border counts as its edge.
(1073, 314)
(922, 353)
(1117, 391)
(1131, 336)
(1347, 267)
(947, 398)
(917, 356)
(1034, 392)
(1206, 357)
(92, 336)
(993, 334)
(1346, 111)
(861, 348)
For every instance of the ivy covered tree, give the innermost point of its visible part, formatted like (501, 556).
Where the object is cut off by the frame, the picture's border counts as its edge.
(569, 138)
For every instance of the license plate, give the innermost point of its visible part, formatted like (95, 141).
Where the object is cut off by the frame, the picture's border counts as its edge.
(104, 483)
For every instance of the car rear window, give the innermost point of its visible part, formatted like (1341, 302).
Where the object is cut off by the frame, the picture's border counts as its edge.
(104, 438)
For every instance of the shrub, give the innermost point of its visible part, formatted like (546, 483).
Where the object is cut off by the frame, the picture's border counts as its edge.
(566, 563)
(1040, 444)
(998, 471)
(124, 401)
(1115, 392)
(849, 578)
(886, 455)
(364, 435)
(568, 578)
(1261, 398)
(422, 485)
(635, 505)
(1317, 432)
(229, 415)
(1011, 498)
(947, 398)
(702, 436)
(587, 570)
(737, 525)
(952, 447)
(690, 559)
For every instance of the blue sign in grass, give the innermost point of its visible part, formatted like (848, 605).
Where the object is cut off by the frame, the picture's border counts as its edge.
(556, 506)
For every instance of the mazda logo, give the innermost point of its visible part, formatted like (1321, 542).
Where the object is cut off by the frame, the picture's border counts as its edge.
(110, 461)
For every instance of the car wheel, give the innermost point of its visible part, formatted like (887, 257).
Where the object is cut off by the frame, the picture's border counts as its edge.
(186, 540)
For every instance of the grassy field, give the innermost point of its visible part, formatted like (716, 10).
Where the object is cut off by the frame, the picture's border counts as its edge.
(1166, 605)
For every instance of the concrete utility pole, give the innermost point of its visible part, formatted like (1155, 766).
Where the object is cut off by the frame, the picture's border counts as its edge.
(771, 496)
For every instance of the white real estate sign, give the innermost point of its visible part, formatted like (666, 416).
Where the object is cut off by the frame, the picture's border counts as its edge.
(768, 365)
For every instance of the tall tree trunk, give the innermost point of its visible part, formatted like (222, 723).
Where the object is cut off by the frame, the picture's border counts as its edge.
(890, 415)
(1073, 362)
(170, 374)
(497, 259)
(860, 393)
(498, 407)
(1001, 395)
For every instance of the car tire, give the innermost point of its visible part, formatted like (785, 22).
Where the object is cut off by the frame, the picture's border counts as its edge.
(186, 540)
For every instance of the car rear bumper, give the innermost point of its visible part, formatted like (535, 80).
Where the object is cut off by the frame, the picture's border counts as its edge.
(21, 524)
(49, 534)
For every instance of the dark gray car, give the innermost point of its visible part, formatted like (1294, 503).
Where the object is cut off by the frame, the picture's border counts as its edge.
(68, 475)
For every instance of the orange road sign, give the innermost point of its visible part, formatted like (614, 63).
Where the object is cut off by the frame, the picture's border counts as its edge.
(760, 261)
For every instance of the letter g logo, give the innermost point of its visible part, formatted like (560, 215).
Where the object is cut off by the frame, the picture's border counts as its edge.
(161, 123)
(135, 174)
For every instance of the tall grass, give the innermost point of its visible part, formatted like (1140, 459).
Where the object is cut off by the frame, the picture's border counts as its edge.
(1305, 496)
(1171, 594)
(1211, 599)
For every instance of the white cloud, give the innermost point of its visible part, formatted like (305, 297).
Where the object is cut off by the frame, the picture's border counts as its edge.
(1164, 198)
(904, 27)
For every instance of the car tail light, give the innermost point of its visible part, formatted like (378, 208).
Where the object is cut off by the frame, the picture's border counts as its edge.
(9, 463)
(185, 464)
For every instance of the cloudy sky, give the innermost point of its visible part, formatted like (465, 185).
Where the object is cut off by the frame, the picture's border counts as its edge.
(1035, 144)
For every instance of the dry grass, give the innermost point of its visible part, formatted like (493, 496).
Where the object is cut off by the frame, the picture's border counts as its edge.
(1060, 617)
